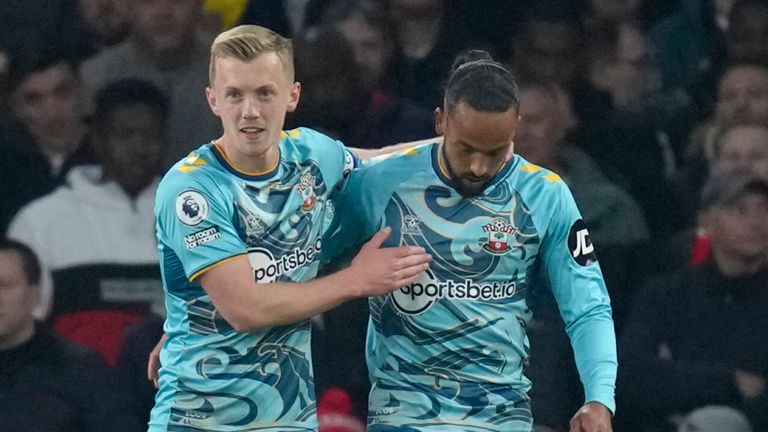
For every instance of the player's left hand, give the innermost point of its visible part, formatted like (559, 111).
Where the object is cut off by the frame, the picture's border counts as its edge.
(592, 417)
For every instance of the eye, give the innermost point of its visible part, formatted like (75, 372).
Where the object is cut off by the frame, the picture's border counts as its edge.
(264, 94)
(497, 153)
(234, 94)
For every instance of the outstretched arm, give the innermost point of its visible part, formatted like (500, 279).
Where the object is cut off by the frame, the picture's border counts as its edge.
(248, 306)
(366, 154)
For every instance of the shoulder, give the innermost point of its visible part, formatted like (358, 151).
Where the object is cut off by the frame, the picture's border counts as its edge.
(197, 180)
(416, 158)
(535, 183)
(196, 169)
(308, 143)
(65, 196)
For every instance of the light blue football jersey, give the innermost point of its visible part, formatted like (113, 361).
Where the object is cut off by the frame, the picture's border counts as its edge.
(448, 353)
(214, 378)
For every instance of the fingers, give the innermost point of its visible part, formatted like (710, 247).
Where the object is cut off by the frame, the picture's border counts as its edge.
(575, 425)
(378, 239)
(153, 363)
(153, 366)
(410, 275)
(405, 251)
(412, 260)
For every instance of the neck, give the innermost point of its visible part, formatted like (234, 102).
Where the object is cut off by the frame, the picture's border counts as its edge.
(735, 266)
(261, 163)
(18, 338)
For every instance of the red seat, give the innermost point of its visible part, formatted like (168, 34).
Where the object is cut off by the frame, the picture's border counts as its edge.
(100, 330)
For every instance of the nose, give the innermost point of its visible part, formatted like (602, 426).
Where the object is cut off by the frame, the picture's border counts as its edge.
(480, 165)
(251, 108)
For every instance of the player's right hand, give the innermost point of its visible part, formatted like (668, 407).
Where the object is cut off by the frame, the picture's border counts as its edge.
(379, 271)
(153, 363)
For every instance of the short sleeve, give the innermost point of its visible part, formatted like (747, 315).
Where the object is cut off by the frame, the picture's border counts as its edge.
(335, 159)
(195, 221)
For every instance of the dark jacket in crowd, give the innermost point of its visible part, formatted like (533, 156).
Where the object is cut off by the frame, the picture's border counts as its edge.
(47, 384)
(688, 333)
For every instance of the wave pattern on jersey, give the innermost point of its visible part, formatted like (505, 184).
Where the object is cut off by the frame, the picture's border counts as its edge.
(449, 342)
(274, 362)
(269, 203)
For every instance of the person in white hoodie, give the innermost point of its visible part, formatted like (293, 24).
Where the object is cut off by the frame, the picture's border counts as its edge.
(95, 234)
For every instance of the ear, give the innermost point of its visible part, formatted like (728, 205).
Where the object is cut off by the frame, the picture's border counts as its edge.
(440, 122)
(211, 97)
(510, 151)
(293, 100)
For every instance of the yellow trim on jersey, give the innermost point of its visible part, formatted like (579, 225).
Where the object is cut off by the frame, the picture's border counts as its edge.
(198, 273)
(191, 163)
(552, 177)
(293, 133)
(530, 168)
(440, 163)
(248, 173)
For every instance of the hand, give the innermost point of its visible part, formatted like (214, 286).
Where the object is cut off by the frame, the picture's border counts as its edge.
(750, 385)
(153, 364)
(592, 417)
(379, 271)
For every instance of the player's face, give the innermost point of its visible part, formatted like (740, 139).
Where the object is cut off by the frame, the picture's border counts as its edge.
(738, 229)
(475, 144)
(252, 99)
(17, 300)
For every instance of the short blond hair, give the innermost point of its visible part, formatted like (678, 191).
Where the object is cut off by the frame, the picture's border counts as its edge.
(246, 42)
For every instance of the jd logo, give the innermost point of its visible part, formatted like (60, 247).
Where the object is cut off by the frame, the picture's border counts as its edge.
(579, 244)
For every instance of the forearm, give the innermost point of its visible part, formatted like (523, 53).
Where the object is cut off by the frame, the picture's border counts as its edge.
(285, 303)
(365, 154)
(247, 305)
(594, 346)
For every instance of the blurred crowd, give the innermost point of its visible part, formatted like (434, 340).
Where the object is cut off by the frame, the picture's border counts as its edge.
(654, 112)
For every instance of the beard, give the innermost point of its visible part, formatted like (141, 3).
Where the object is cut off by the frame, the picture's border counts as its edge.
(468, 185)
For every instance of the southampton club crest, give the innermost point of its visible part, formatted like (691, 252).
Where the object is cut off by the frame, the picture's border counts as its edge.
(306, 188)
(498, 236)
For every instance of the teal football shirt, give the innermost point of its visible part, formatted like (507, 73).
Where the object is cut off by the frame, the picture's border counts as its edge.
(214, 378)
(449, 351)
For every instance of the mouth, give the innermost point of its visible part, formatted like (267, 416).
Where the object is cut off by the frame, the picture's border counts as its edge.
(476, 180)
(251, 132)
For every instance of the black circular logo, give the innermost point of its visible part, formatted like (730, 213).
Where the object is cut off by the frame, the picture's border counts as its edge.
(580, 245)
